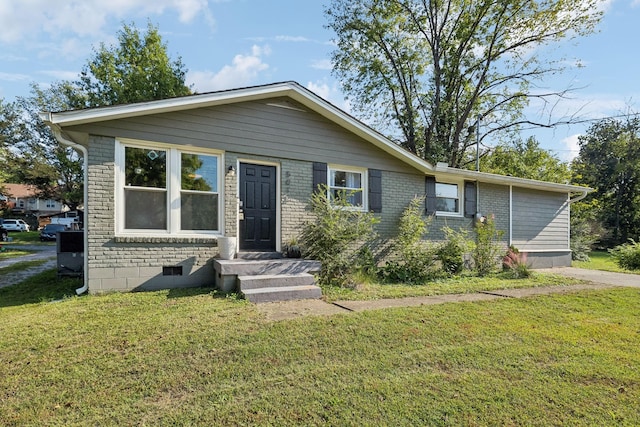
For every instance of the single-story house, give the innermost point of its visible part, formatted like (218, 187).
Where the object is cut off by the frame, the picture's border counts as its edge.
(166, 179)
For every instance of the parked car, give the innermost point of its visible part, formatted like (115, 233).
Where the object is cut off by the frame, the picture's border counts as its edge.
(15, 225)
(49, 232)
(4, 234)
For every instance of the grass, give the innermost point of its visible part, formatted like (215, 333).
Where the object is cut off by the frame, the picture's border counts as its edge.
(43, 287)
(368, 290)
(21, 266)
(13, 253)
(601, 260)
(27, 238)
(190, 357)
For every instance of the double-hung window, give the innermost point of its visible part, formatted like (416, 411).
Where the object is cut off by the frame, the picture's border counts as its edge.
(166, 190)
(347, 183)
(447, 198)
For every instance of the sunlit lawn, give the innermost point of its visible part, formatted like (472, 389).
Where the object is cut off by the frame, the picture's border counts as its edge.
(191, 357)
(12, 253)
(27, 238)
(601, 260)
(367, 290)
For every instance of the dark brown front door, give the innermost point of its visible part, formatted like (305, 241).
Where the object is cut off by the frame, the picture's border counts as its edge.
(258, 207)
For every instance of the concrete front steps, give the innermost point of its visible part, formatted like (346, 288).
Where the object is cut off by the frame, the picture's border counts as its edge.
(265, 277)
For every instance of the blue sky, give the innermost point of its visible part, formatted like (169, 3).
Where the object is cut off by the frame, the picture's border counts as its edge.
(235, 43)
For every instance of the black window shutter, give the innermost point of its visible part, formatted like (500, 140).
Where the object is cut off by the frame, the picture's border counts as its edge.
(375, 190)
(470, 199)
(430, 193)
(319, 175)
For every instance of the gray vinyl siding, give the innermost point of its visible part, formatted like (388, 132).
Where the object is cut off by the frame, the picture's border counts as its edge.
(254, 128)
(540, 220)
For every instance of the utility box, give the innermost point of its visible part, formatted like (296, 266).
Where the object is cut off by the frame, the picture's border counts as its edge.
(70, 249)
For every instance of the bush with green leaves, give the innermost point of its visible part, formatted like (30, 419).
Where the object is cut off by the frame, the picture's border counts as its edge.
(486, 254)
(413, 260)
(515, 263)
(627, 255)
(336, 236)
(585, 228)
(451, 251)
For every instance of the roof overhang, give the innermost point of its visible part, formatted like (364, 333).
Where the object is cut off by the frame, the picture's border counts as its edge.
(491, 178)
(286, 89)
(292, 90)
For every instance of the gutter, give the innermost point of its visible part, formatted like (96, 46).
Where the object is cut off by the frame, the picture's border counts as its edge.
(85, 216)
(580, 196)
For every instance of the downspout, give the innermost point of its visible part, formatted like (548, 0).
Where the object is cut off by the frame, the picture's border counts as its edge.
(580, 197)
(85, 217)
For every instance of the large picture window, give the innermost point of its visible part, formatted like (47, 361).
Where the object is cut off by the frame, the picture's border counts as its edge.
(167, 190)
(348, 184)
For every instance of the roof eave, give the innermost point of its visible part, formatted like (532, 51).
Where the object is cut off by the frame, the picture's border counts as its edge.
(290, 89)
(491, 178)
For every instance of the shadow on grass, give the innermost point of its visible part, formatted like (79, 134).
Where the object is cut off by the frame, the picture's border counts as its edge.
(188, 292)
(45, 286)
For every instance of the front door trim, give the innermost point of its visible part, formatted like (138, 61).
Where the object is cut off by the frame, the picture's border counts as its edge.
(278, 198)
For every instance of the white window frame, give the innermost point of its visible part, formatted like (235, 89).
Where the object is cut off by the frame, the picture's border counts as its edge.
(173, 189)
(364, 182)
(460, 186)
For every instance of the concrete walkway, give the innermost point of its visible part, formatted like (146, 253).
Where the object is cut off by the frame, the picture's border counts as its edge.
(598, 280)
(596, 276)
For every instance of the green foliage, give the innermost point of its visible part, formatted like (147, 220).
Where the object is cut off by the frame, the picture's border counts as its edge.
(137, 69)
(486, 253)
(525, 160)
(609, 161)
(515, 263)
(427, 70)
(451, 252)
(627, 255)
(586, 229)
(411, 227)
(413, 260)
(336, 236)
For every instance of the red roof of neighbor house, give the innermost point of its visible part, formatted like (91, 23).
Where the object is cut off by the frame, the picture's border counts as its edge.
(20, 191)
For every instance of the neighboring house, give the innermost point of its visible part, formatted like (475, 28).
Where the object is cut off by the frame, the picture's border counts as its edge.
(23, 198)
(167, 178)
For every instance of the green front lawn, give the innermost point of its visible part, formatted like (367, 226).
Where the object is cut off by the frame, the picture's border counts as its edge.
(457, 285)
(26, 238)
(12, 253)
(600, 260)
(191, 357)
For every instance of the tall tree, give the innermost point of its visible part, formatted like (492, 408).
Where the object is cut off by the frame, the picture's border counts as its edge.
(137, 69)
(525, 159)
(609, 161)
(426, 70)
(36, 157)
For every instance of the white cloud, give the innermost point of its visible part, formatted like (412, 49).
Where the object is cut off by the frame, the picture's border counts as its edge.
(60, 74)
(28, 19)
(296, 39)
(330, 92)
(13, 77)
(323, 64)
(572, 148)
(244, 70)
